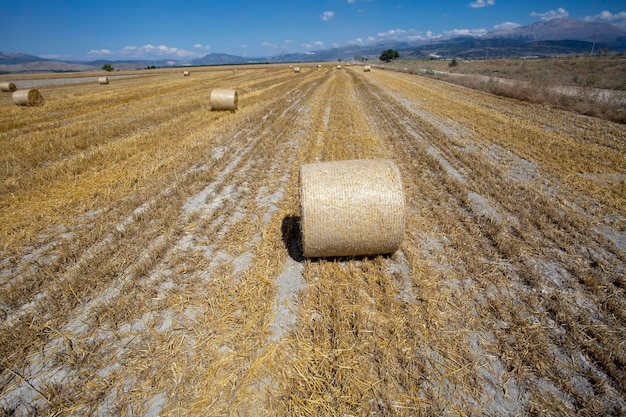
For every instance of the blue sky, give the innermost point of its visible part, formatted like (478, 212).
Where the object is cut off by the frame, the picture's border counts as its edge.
(186, 29)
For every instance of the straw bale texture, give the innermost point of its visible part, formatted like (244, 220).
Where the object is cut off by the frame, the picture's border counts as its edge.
(224, 99)
(296, 69)
(7, 87)
(338, 66)
(350, 208)
(103, 80)
(185, 73)
(30, 97)
(367, 68)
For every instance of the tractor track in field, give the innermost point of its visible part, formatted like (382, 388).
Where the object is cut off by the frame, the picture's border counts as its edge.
(176, 287)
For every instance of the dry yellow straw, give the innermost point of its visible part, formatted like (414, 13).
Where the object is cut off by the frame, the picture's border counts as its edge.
(224, 99)
(350, 208)
(103, 80)
(7, 87)
(27, 97)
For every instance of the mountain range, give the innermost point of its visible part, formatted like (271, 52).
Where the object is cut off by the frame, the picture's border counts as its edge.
(542, 39)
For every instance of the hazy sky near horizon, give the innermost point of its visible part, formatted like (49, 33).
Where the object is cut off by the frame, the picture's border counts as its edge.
(186, 29)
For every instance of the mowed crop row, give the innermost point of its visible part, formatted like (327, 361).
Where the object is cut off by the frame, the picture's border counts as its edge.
(150, 264)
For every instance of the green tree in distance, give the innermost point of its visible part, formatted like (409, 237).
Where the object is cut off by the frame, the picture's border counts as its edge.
(389, 55)
(107, 67)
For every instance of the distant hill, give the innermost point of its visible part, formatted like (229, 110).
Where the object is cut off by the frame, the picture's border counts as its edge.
(551, 38)
(224, 59)
(12, 58)
(563, 29)
(543, 39)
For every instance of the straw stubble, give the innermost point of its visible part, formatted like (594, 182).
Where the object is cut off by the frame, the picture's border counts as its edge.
(351, 208)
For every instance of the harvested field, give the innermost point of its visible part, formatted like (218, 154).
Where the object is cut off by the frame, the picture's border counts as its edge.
(150, 261)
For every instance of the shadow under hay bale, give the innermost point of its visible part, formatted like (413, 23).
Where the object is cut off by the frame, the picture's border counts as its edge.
(8, 87)
(291, 237)
(224, 99)
(29, 98)
(351, 208)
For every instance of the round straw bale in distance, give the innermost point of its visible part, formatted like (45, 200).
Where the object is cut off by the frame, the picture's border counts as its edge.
(103, 80)
(8, 87)
(338, 66)
(296, 69)
(30, 97)
(224, 99)
(367, 68)
(185, 73)
(351, 208)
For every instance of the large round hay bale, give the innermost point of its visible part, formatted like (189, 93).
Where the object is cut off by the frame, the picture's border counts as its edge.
(351, 208)
(224, 99)
(367, 68)
(296, 70)
(10, 87)
(103, 80)
(185, 73)
(338, 66)
(30, 97)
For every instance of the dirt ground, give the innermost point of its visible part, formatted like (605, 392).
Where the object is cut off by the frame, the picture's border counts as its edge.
(150, 261)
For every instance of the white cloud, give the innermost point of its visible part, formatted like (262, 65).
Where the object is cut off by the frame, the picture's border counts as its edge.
(326, 16)
(351, 1)
(316, 44)
(334, 45)
(392, 33)
(100, 52)
(617, 19)
(552, 14)
(268, 45)
(481, 3)
(401, 34)
(465, 32)
(507, 25)
(147, 51)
